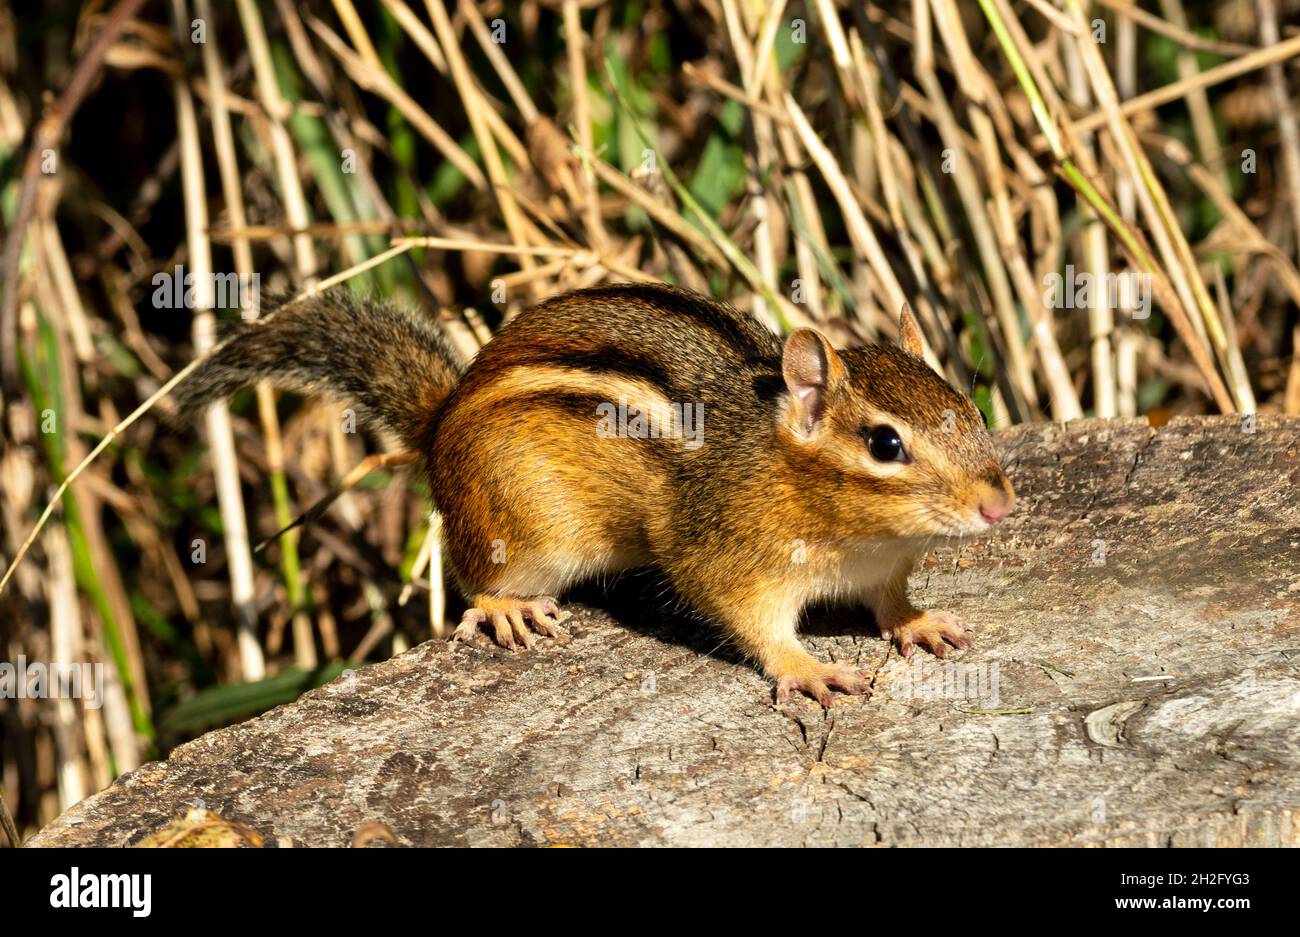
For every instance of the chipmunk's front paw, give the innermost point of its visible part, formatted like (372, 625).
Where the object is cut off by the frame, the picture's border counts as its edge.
(510, 619)
(818, 679)
(933, 630)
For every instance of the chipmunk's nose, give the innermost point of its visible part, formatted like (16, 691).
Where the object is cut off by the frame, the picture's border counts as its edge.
(998, 502)
(994, 511)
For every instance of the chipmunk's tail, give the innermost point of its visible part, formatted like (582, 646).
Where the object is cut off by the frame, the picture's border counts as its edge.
(394, 366)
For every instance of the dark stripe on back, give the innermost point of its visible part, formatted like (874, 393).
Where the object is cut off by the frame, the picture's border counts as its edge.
(607, 360)
(739, 332)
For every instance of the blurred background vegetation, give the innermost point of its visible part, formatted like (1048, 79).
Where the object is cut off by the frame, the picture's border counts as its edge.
(812, 162)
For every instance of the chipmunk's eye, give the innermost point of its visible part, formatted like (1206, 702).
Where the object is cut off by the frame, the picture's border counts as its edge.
(884, 444)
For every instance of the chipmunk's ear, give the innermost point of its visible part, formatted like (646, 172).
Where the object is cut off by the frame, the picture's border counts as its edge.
(909, 332)
(811, 369)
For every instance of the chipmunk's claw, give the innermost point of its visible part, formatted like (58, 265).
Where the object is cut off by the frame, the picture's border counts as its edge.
(819, 681)
(510, 618)
(934, 631)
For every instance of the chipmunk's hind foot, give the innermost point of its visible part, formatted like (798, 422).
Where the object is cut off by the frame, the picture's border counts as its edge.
(509, 619)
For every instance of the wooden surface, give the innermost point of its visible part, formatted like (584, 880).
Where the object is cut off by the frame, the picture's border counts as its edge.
(1135, 681)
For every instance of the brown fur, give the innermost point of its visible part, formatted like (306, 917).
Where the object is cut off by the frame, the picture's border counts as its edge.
(395, 367)
(777, 508)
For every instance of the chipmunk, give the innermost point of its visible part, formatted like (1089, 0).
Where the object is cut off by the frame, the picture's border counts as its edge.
(818, 473)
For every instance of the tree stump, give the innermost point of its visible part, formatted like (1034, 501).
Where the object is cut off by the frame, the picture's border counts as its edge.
(1135, 681)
